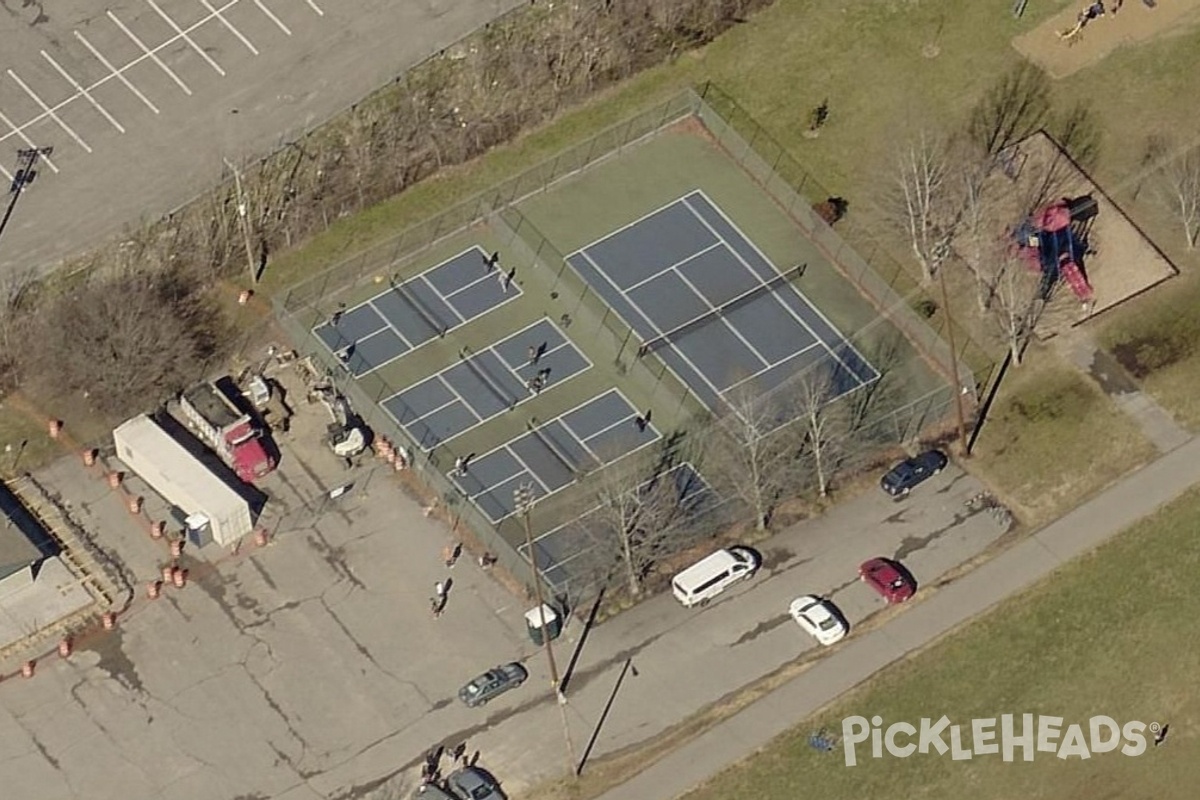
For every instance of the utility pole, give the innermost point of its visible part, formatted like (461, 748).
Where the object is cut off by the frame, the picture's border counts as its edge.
(26, 172)
(523, 498)
(958, 387)
(243, 210)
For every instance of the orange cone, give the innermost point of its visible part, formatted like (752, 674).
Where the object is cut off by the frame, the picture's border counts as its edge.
(89, 458)
(167, 572)
(179, 576)
(244, 296)
(156, 529)
(54, 427)
(153, 589)
(27, 668)
(114, 480)
(109, 620)
(64, 648)
(135, 505)
(261, 537)
(177, 548)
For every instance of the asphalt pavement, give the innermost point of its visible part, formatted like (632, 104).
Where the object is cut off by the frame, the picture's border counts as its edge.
(142, 101)
(1010, 573)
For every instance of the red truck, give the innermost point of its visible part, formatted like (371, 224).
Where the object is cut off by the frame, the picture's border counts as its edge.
(229, 431)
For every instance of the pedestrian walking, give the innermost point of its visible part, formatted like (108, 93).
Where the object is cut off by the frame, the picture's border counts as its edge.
(455, 554)
(438, 604)
(486, 560)
(460, 466)
(439, 589)
(533, 354)
(508, 279)
(1160, 736)
(490, 262)
(640, 422)
(447, 556)
(460, 753)
(538, 384)
(337, 317)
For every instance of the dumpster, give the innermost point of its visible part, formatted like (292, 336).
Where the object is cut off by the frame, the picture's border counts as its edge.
(533, 620)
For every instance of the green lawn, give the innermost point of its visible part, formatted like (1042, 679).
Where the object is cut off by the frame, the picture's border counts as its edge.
(1102, 636)
(1053, 438)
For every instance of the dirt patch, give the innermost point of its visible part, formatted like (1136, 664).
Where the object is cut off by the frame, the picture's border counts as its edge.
(1134, 24)
(1143, 356)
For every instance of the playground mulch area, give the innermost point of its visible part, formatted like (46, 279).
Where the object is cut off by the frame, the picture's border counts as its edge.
(1125, 262)
(1060, 53)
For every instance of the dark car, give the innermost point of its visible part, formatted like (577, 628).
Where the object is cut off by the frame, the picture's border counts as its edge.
(472, 783)
(496, 681)
(901, 478)
(887, 578)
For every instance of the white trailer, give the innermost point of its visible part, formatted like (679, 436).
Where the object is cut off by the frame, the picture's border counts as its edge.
(183, 480)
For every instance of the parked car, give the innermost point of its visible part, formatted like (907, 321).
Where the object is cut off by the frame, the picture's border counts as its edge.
(902, 478)
(888, 578)
(818, 617)
(496, 681)
(472, 783)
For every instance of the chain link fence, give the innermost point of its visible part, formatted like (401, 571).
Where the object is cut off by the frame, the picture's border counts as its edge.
(583, 572)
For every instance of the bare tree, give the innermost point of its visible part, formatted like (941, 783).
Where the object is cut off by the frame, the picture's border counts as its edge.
(752, 452)
(922, 202)
(126, 341)
(1017, 293)
(1179, 187)
(825, 421)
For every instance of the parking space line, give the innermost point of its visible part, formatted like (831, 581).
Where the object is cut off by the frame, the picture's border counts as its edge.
(48, 111)
(267, 11)
(151, 54)
(29, 142)
(87, 95)
(316, 8)
(229, 26)
(182, 35)
(113, 71)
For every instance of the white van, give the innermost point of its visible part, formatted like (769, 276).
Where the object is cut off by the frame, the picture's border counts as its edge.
(713, 574)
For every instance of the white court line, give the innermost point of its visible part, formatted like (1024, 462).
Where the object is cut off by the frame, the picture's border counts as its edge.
(266, 11)
(179, 33)
(114, 72)
(723, 317)
(83, 92)
(19, 132)
(316, 8)
(675, 266)
(229, 26)
(151, 54)
(46, 109)
(7, 175)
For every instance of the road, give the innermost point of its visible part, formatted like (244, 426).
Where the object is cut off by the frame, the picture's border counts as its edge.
(312, 668)
(1017, 569)
(142, 100)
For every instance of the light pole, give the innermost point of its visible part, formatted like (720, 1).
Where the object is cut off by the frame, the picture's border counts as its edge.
(26, 172)
(523, 498)
(243, 210)
(958, 387)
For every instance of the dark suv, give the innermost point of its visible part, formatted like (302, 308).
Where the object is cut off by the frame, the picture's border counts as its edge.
(901, 478)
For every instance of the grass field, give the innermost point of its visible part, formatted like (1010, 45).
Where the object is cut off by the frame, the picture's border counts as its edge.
(1103, 636)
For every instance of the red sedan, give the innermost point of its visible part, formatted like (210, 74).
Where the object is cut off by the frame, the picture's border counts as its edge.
(888, 578)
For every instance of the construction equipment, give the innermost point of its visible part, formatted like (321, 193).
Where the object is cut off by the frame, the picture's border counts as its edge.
(346, 435)
(209, 409)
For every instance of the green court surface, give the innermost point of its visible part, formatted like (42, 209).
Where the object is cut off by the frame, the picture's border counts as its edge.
(538, 237)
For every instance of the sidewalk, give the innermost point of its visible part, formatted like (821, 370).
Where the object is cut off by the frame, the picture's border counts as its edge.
(1085, 528)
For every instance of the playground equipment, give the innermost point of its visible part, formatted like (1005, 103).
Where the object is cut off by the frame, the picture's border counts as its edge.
(1051, 241)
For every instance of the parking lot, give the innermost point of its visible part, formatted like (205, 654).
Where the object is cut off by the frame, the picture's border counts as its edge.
(313, 668)
(143, 101)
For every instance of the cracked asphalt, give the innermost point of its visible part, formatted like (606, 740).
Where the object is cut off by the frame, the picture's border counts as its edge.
(312, 668)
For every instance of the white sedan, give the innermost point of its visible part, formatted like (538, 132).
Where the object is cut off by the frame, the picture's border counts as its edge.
(819, 618)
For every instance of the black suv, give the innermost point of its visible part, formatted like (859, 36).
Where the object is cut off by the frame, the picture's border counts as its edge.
(901, 478)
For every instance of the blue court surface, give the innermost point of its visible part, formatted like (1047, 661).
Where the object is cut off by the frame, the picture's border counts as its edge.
(557, 549)
(551, 456)
(407, 315)
(702, 296)
(485, 384)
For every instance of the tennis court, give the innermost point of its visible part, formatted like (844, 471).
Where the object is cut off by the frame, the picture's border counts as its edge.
(408, 314)
(485, 384)
(552, 455)
(702, 295)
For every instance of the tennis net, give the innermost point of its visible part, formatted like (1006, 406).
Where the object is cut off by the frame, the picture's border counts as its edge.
(504, 397)
(426, 315)
(728, 306)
